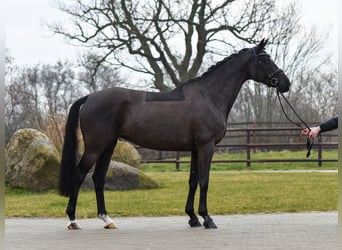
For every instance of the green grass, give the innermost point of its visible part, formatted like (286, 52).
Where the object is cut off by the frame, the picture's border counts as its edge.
(331, 154)
(229, 193)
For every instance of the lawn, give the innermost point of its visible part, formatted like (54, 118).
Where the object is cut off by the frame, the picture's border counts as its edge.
(230, 192)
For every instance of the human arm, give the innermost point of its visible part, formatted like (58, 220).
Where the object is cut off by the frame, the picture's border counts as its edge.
(323, 127)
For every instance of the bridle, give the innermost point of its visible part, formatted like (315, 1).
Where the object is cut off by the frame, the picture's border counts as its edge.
(272, 81)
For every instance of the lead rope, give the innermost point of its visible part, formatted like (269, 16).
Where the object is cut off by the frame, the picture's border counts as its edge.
(294, 111)
(309, 146)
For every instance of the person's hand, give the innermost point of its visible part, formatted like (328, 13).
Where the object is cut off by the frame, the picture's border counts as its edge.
(313, 133)
(305, 132)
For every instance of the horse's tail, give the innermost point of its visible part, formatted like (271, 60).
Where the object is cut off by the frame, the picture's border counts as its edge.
(68, 171)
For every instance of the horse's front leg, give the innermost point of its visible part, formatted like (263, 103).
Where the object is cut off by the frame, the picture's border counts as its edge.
(99, 178)
(205, 154)
(193, 182)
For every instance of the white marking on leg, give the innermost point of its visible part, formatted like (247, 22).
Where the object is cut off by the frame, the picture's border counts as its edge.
(109, 223)
(73, 224)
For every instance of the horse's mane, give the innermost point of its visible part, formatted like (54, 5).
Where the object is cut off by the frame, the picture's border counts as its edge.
(213, 67)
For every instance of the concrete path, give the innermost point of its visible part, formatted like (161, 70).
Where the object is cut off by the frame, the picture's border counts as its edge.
(316, 230)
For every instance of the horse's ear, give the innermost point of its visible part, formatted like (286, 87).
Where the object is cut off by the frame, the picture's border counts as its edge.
(261, 46)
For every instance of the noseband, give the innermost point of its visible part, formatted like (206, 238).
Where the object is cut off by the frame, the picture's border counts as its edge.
(272, 81)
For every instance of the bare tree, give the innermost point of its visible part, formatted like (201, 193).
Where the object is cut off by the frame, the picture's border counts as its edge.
(95, 76)
(22, 99)
(316, 95)
(58, 86)
(33, 92)
(166, 40)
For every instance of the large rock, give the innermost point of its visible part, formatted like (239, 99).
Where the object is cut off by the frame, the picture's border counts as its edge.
(120, 176)
(126, 153)
(32, 161)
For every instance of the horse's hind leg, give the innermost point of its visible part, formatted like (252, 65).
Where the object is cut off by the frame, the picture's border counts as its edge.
(193, 183)
(99, 178)
(85, 164)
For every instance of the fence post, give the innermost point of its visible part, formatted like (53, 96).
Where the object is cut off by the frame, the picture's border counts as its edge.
(160, 155)
(248, 150)
(320, 151)
(177, 160)
(254, 135)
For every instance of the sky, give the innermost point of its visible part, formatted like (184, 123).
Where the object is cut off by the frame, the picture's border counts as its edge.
(30, 41)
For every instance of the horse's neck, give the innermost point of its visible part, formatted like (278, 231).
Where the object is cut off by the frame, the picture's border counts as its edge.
(225, 90)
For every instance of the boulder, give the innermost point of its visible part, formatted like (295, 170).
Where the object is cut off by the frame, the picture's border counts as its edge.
(126, 153)
(121, 176)
(32, 161)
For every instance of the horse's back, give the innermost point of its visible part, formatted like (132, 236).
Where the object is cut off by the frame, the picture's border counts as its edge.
(117, 95)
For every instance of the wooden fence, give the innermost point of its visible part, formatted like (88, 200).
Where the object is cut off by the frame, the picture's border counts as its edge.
(251, 137)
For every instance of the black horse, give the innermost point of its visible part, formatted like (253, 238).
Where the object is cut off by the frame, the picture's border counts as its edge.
(192, 117)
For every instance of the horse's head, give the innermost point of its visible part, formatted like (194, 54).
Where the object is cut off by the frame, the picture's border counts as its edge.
(263, 69)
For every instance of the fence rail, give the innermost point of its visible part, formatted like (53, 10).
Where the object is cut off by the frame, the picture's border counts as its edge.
(252, 138)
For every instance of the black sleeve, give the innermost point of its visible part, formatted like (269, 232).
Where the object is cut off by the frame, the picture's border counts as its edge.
(329, 125)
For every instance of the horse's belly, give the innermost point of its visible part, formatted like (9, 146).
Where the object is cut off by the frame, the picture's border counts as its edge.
(160, 138)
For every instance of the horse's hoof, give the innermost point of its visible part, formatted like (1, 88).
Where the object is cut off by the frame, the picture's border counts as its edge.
(111, 226)
(109, 223)
(194, 223)
(209, 224)
(74, 226)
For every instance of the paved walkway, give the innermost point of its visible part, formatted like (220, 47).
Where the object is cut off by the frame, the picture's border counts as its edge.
(262, 231)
